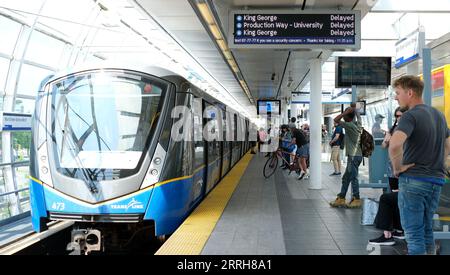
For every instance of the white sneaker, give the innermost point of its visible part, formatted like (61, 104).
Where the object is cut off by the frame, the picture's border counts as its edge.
(302, 174)
(306, 176)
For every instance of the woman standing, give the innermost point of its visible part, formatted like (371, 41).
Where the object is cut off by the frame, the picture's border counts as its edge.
(388, 216)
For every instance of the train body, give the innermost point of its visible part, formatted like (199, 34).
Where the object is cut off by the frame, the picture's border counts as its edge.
(103, 153)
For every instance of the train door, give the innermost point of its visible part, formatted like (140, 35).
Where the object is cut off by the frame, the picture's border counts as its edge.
(234, 153)
(226, 153)
(220, 140)
(213, 148)
(200, 173)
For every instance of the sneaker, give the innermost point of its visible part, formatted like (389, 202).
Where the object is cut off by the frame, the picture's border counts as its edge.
(306, 176)
(339, 202)
(354, 203)
(302, 174)
(382, 240)
(398, 235)
(334, 174)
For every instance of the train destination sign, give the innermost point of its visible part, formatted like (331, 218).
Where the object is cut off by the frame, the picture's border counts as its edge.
(336, 30)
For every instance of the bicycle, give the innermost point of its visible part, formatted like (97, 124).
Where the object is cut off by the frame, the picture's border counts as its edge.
(272, 163)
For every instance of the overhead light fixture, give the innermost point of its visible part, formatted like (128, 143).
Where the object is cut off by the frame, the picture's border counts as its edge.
(290, 80)
(208, 17)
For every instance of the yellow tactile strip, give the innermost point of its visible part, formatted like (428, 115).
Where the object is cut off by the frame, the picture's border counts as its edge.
(192, 235)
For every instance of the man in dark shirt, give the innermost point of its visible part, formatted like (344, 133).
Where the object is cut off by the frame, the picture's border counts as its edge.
(418, 150)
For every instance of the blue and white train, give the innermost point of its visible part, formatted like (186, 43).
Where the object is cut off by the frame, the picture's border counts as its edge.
(102, 153)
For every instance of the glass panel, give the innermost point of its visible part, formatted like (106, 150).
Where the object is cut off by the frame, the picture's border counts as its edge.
(412, 5)
(8, 32)
(4, 66)
(21, 145)
(30, 79)
(22, 174)
(4, 205)
(70, 11)
(44, 49)
(23, 5)
(24, 106)
(103, 122)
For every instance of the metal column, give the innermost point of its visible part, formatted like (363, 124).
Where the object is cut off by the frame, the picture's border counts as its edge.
(315, 181)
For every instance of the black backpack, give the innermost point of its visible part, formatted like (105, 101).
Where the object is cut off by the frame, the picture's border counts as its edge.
(367, 144)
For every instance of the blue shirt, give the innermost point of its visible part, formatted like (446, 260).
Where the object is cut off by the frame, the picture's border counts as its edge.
(337, 130)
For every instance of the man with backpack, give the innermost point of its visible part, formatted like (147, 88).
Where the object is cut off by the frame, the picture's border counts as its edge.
(337, 140)
(353, 130)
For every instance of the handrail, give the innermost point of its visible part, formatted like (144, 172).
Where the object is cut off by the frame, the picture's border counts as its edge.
(14, 192)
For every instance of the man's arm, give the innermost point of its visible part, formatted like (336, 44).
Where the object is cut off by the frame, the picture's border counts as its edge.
(447, 151)
(447, 148)
(336, 137)
(396, 152)
(339, 117)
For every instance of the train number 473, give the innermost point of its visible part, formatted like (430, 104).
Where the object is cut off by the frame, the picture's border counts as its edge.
(59, 206)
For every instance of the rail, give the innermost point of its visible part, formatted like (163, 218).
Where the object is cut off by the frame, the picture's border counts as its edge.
(14, 192)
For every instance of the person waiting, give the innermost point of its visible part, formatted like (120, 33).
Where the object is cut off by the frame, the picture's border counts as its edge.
(388, 215)
(335, 143)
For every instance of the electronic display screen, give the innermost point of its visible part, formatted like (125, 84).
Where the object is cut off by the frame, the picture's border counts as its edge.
(363, 71)
(287, 28)
(360, 107)
(269, 107)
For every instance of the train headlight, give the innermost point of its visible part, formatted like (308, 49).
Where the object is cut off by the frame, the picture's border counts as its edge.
(156, 167)
(44, 170)
(44, 167)
(154, 172)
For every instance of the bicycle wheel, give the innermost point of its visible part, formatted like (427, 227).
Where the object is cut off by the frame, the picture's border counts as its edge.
(270, 166)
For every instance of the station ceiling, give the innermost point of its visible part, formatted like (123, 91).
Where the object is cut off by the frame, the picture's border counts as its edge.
(275, 73)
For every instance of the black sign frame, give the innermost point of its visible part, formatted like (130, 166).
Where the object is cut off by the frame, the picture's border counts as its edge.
(313, 25)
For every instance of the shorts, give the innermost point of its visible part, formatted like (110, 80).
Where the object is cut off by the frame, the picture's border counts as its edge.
(303, 151)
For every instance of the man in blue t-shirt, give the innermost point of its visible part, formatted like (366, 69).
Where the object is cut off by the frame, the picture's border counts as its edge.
(418, 150)
(335, 143)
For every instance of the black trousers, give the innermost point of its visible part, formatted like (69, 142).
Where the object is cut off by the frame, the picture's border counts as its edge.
(388, 215)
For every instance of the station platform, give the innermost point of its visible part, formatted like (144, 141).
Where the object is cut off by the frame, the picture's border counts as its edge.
(277, 216)
(16, 230)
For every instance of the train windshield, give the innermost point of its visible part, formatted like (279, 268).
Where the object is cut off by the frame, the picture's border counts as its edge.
(102, 122)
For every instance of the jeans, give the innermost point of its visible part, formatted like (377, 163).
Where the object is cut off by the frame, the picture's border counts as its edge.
(417, 201)
(351, 175)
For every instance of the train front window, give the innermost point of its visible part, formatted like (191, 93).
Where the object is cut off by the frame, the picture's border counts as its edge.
(102, 122)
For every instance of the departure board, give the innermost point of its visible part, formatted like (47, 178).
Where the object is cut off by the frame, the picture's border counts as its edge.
(338, 30)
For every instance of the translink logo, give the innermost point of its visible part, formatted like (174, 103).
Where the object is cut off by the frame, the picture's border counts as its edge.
(133, 204)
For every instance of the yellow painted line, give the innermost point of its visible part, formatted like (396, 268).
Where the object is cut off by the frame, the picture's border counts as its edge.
(192, 235)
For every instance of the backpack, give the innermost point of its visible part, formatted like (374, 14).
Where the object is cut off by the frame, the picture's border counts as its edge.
(367, 144)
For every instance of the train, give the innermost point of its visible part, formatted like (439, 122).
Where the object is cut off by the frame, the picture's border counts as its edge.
(106, 152)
